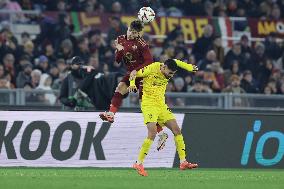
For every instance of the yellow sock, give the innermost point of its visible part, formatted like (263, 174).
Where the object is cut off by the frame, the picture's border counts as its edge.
(180, 147)
(144, 150)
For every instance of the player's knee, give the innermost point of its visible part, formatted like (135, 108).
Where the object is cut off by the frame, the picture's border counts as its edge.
(152, 132)
(152, 135)
(176, 131)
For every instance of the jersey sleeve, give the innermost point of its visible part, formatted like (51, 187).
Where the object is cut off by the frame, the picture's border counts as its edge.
(119, 54)
(144, 72)
(184, 65)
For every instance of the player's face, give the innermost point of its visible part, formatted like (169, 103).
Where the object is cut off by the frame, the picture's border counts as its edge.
(167, 72)
(132, 34)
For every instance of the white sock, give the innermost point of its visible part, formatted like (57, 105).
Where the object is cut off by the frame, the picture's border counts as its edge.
(161, 133)
(138, 162)
(182, 160)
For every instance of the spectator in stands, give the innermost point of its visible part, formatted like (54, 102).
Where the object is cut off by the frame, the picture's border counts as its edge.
(62, 29)
(200, 86)
(281, 89)
(232, 7)
(49, 52)
(257, 60)
(272, 85)
(91, 6)
(264, 74)
(248, 83)
(179, 84)
(3, 83)
(28, 50)
(117, 28)
(169, 51)
(2, 71)
(12, 5)
(116, 8)
(66, 50)
(249, 6)
(54, 72)
(235, 54)
(35, 78)
(8, 42)
(45, 84)
(94, 62)
(219, 49)
(272, 48)
(208, 60)
(97, 43)
(25, 37)
(193, 8)
(234, 86)
(58, 82)
(267, 90)
(219, 75)
(210, 79)
(83, 50)
(9, 65)
(61, 6)
(209, 8)
(24, 76)
(245, 47)
(203, 44)
(61, 65)
(109, 59)
(279, 64)
(275, 12)
(43, 64)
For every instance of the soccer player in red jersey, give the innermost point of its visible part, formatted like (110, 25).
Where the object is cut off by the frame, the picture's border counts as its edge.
(133, 50)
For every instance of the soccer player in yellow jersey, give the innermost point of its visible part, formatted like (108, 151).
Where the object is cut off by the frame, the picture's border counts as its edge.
(154, 109)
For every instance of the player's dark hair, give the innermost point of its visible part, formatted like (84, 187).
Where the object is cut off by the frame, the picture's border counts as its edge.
(171, 64)
(137, 25)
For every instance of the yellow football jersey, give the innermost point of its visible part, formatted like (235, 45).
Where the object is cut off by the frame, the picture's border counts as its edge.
(154, 83)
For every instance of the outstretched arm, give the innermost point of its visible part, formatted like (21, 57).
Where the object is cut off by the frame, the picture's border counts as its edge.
(144, 72)
(186, 66)
(132, 87)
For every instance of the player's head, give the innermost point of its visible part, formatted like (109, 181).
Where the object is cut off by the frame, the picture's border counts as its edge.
(169, 68)
(135, 28)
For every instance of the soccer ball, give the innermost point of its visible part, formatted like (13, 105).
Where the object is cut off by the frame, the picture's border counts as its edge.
(146, 14)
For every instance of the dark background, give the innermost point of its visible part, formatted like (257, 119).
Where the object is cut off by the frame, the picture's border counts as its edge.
(217, 139)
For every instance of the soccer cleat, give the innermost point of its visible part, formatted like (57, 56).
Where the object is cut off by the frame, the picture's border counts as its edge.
(162, 141)
(186, 165)
(107, 116)
(140, 169)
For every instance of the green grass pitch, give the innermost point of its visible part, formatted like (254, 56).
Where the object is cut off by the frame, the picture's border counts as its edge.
(68, 178)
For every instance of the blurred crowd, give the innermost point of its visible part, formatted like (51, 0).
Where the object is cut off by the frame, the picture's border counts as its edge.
(42, 63)
(244, 8)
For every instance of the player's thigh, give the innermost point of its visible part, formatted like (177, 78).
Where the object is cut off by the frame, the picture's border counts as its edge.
(173, 126)
(165, 114)
(122, 88)
(150, 114)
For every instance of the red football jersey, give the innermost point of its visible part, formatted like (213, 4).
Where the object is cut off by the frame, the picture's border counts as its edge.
(136, 53)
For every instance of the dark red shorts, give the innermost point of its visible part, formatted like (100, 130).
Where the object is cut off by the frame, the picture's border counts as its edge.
(138, 83)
